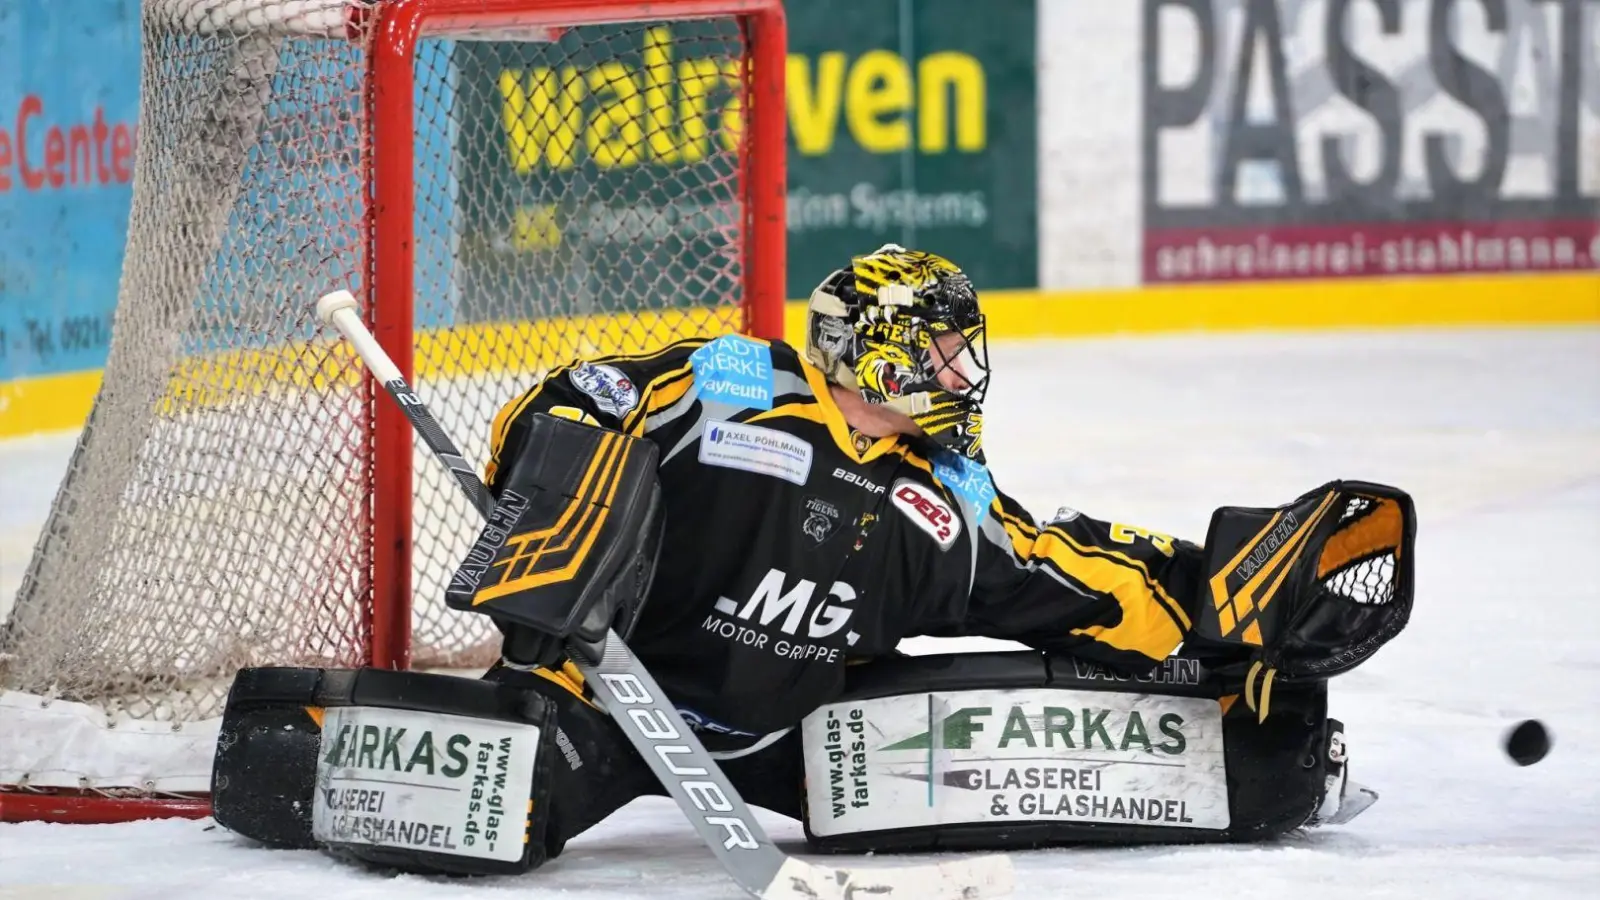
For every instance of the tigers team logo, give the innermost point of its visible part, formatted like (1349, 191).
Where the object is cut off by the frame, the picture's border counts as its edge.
(818, 519)
(885, 370)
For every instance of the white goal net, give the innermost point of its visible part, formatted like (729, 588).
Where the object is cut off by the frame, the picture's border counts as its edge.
(506, 194)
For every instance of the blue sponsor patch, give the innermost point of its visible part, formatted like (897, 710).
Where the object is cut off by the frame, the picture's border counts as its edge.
(968, 480)
(736, 370)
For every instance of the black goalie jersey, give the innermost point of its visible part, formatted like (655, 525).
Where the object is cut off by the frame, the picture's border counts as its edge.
(794, 544)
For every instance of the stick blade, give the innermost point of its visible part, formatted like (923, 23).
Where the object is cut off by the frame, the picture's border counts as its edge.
(974, 878)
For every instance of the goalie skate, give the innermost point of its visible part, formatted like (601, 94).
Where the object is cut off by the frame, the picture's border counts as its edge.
(1342, 799)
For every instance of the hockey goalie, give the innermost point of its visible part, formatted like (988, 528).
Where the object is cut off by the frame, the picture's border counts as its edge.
(764, 525)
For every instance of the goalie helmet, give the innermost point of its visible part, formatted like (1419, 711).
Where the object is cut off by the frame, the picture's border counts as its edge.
(903, 327)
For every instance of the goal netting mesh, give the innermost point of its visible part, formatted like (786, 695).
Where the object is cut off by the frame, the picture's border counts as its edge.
(576, 191)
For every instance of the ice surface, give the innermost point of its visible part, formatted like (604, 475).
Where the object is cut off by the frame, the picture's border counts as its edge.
(1496, 434)
(30, 470)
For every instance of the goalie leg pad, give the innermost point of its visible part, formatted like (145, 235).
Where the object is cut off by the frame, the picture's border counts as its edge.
(422, 773)
(1021, 750)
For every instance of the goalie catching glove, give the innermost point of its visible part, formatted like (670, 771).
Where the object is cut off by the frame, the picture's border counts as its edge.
(1309, 589)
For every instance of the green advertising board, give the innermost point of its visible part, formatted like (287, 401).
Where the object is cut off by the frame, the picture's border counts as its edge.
(598, 171)
(913, 123)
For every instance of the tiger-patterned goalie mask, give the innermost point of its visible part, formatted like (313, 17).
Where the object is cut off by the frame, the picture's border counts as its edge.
(903, 328)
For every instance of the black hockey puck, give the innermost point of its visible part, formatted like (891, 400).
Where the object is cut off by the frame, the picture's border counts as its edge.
(1528, 743)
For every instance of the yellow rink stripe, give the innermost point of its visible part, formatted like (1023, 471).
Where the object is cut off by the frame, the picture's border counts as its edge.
(58, 402)
(47, 402)
(1351, 303)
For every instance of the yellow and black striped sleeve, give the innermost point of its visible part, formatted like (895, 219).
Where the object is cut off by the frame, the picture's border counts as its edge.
(1102, 590)
(621, 393)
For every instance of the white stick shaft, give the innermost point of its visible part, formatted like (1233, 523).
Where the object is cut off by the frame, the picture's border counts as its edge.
(339, 310)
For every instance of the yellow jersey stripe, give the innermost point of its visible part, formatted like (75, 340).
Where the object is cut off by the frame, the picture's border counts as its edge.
(1120, 560)
(662, 391)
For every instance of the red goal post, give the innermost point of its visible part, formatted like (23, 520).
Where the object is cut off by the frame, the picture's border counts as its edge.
(243, 494)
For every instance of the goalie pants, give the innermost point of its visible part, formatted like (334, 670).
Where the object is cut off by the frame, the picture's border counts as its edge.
(601, 773)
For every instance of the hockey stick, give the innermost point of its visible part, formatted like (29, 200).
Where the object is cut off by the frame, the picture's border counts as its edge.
(656, 730)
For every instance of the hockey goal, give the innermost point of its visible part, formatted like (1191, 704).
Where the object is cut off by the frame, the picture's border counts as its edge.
(510, 184)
